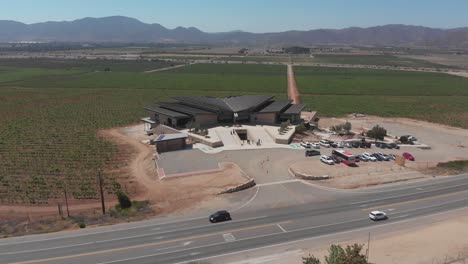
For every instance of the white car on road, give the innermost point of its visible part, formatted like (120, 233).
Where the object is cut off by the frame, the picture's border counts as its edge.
(369, 157)
(315, 145)
(324, 143)
(327, 160)
(306, 144)
(377, 215)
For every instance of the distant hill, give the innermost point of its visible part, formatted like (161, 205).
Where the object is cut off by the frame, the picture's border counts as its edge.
(124, 29)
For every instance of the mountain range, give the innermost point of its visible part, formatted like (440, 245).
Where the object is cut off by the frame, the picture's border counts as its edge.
(125, 29)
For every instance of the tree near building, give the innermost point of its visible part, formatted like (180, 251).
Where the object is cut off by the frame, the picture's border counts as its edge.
(377, 132)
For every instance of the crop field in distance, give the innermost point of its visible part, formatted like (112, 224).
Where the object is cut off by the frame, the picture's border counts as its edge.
(49, 140)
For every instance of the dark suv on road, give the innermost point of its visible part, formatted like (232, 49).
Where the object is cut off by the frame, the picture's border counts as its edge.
(220, 216)
(312, 152)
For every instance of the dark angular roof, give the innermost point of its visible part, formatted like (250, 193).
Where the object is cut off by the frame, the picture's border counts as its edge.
(165, 112)
(183, 108)
(246, 102)
(213, 103)
(166, 137)
(295, 109)
(276, 106)
(231, 104)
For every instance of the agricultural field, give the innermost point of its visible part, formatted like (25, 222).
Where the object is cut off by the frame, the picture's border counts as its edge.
(48, 137)
(433, 97)
(379, 60)
(85, 65)
(51, 115)
(235, 78)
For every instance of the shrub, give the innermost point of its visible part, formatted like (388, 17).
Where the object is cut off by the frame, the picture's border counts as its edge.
(81, 225)
(310, 260)
(377, 132)
(300, 129)
(124, 200)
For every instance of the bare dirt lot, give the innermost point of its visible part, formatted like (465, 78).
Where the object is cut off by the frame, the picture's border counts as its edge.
(447, 59)
(364, 175)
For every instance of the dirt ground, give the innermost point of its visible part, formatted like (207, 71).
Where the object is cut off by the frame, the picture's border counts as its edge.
(293, 91)
(366, 174)
(435, 243)
(175, 194)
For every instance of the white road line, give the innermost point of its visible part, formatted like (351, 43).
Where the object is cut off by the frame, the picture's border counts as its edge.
(81, 244)
(122, 238)
(277, 182)
(403, 195)
(249, 201)
(122, 229)
(317, 237)
(282, 229)
(229, 237)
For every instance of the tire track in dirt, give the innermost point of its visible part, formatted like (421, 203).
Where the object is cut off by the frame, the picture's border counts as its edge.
(293, 91)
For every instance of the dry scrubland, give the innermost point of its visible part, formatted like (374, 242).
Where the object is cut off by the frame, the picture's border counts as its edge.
(49, 140)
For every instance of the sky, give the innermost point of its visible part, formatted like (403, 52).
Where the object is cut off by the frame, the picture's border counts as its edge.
(248, 15)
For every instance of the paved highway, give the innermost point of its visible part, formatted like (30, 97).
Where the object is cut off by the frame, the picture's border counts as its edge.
(194, 239)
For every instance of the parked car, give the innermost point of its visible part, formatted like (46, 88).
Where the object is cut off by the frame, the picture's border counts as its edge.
(327, 160)
(220, 216)
(393, 146)
(377, 215)
(348, 144)
(384, 156)
(408, 156)
(312, 152)
(378, 156)
(315, 145)
(324, 143)
(333, 144)
(369, 156)
(355, 144)
(363, 158)
(364, 144)
(393, 156)
(305, 144)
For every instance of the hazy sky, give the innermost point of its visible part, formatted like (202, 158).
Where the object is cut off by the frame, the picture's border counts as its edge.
(248, 15)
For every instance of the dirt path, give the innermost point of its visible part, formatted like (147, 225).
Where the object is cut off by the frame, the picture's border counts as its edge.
(293, 92)
(168, 68)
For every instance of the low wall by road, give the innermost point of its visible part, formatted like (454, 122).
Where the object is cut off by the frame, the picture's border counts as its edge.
(249, 184)
(307, 177)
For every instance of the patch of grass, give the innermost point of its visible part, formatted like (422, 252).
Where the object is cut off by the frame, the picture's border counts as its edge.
(86, 64)
(379, 60)
(458, 165)
(342, 81)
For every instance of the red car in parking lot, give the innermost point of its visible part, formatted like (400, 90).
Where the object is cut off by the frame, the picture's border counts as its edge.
(408, 156)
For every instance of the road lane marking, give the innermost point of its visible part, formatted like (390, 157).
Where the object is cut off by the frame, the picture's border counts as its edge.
(122, 238)
(403, 195)
(282, 229)
(229, 237)
(277, 182)
(81, 244)
(413, 201)
(249, 201)
(400, 216)
(147, 244)
(310, 238)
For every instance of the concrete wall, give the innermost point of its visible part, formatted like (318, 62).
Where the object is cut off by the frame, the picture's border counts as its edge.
(162, 129)
(170, 145)
(206, 120)
(263, 118)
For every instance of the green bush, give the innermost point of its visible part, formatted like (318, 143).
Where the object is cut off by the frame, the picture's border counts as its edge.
(377, 132)
(124, 200)
(81, 225)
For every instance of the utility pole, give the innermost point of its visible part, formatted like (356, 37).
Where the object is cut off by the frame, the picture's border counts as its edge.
(102, 192)
(368, 248)
(66, 200)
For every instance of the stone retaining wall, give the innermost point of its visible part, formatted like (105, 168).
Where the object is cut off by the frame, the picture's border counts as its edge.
(307, 177)
(249, 184)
